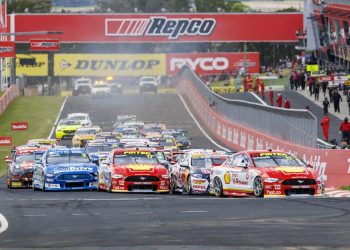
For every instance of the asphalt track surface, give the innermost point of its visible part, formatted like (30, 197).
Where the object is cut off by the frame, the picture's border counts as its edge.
(153, 221)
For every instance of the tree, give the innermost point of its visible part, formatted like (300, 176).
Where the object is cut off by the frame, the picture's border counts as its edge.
(290, 9)
(33, 6)
(221, 6)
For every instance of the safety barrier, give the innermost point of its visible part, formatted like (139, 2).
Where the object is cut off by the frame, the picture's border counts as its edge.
(332, 164)
(10, 94)
(296, 126)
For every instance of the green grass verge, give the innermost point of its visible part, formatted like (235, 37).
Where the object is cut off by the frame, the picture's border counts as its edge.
(346, 188)
(39, 111)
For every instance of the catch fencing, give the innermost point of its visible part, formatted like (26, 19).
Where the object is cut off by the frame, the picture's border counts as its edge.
(295, 126)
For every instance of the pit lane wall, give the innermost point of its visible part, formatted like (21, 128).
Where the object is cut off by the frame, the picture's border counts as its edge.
(333, 164)
(10, 94)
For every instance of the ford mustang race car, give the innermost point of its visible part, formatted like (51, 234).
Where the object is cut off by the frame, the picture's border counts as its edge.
(133, 170)
(265, 173)
(84, 134)
(66, 128)
(190, 173)
(99, 150)
(21, 165)
(65, 169)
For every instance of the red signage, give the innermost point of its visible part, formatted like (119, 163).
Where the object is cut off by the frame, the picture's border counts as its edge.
(214, 63)
(141, 28)
(44, 45)
(7, 49)
(19, 125)
(5, 140)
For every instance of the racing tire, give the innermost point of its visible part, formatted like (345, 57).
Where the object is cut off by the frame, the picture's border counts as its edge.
(189, 186)
(258, 187)
(109, 188)
(34, 188)
(218, 190)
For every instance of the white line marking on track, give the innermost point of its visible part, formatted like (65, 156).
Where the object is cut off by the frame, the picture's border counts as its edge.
(137, 213)
(35, 215)
(200, 127)
(3, 224)
(194, 211)
(58, 117)
(258, 98)
(79, 214)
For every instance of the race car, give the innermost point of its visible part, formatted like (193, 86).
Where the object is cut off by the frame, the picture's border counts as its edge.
(66, 128)
(148, 83)
(107, 136)
(263, 174)
(99, 150)
(123, 118)
(182, 141)
(101, 89)
(84, 134)
(191, 172)
(21, 165)
(133, 170)
(153, 129)
(43, 141)
(84, 118)
(127, 132)
(65, 169)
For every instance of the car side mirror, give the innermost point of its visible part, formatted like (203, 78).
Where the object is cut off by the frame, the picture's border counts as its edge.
(309, 165)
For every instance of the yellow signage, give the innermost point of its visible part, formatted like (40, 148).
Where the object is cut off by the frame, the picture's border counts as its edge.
(312, 67)
(109, 64)
(223, 90)
(40, 68)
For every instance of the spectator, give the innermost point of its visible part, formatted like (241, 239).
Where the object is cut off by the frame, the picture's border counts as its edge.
(345, 130)
(249, 82)
(279, 100)
(262, 87)
(324, 87)
(330, 92)
(348, 100)
(291, 82)
(325, 106)
(317, 90)
(245, 84)
(325, 127)
(287, 104)
(302, 80)
(336, 100)
(256, 85)
(271, 96)
(310, 83)
(238, 83)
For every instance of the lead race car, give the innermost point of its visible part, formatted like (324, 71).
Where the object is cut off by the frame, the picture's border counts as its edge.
(133, 170)
(264, 174)
(65, 169)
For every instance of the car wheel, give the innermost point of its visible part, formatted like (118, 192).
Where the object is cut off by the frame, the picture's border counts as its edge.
(258, 187)
(189, 185)
(109, 188)
(173, 185)
(34, 188)
(218, 191)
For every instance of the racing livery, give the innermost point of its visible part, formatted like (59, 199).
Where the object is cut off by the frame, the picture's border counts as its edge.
(66, 128)
(84, 134)
(21, 165)
(133, 170)
(263, 174)
(65, 169)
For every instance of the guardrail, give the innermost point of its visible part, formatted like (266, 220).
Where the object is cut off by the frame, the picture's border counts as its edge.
(10, 94)
(296, 126)
(332, 164)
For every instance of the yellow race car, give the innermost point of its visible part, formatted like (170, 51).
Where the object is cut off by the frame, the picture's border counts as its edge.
(84, 134)
(66, 128)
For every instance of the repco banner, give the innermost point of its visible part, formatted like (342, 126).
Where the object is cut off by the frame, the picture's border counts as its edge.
(156, 28)
(213, 63)
(7, 49)
(109, 64)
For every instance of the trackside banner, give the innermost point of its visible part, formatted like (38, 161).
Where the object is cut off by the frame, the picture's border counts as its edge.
(109, 64)
(40, 68)
(213, 63)
(7, 49)
(155, 28)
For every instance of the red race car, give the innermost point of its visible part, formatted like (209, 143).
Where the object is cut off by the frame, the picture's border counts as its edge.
(133, 170)
(265, 173)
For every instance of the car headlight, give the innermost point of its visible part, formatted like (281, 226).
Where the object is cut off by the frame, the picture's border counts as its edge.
(270, 180)
(117, 176)
(199, 176)
(165, 176)
(49, 175)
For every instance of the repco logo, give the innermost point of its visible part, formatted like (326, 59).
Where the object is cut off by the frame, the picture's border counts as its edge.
(203, 63)
(6, 49)
(160, 26)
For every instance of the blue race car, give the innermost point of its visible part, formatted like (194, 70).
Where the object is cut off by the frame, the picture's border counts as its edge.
(65, 169)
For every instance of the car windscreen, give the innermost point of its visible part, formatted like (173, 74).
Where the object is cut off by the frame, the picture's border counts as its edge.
(277, 159)
(98, 148)
(68, 123)
(85, 132)
(199, 162)
(135, 158)
(148, 79)
(218, 160)
(25, 158)
(166, 142)
(78, 118)
(59, 157)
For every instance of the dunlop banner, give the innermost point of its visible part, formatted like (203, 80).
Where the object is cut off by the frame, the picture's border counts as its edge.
(109, 64)
(223, 90)
(40, 68)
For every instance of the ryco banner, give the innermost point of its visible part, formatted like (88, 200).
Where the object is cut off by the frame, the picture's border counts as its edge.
(40, 68)
(213, 63)
(5, 140)
(109, 64)
(44, 45)
(7, 49)
(19, 125)
(155, 28)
